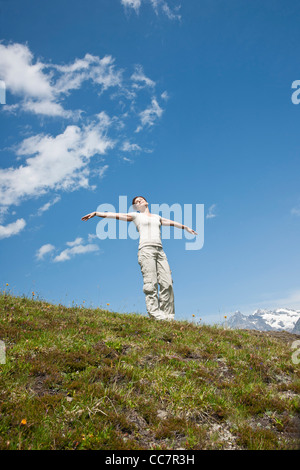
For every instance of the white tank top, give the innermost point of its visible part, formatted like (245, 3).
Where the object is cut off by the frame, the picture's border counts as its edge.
(148, 227)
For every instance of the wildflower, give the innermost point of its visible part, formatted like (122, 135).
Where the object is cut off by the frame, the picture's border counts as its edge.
(7, 284)
(225, 316)
(23, 422)
(193, 315)
(107, 304)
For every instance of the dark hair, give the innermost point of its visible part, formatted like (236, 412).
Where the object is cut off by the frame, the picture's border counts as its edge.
(133, 200)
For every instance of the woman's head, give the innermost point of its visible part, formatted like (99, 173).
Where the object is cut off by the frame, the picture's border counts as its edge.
(137, 201)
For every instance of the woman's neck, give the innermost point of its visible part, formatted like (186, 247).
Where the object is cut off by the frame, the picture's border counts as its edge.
(146, 211)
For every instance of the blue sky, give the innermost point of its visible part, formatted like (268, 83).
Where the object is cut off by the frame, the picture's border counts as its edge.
(184, 102)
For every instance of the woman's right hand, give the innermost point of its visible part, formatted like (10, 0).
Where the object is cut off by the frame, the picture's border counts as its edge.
(88, 216)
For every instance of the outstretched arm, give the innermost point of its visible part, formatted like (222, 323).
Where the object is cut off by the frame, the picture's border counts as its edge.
(110, 215)
(178, 225)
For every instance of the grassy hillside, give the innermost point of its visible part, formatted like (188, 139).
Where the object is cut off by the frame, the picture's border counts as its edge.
(79, 378)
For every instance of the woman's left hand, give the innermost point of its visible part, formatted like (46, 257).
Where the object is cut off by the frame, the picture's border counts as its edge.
(190, 230)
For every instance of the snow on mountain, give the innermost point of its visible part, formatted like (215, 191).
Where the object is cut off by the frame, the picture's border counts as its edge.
(267, 320)
(279, 319)
(296, 328)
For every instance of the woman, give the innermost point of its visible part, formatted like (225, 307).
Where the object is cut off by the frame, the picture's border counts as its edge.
(151, 256)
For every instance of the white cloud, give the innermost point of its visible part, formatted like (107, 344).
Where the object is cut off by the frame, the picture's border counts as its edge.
(150, 114)
(64, 161)
(12, 229)
(139, 76)
(44, 250)
(69, 253)
(135, 4)
(100, 71)
(170, 14)
(77, 241)
(211, 212)
(47, 206)
(295, 211)
(42, 87)
(3, 213)
(128, 147)
(99, 171)
(21, 76)
(46, 108)
(102, 171)
(158, 5)
(75, 247)
(38, 85)
(54, 163)
(29, 81)
(91, 236)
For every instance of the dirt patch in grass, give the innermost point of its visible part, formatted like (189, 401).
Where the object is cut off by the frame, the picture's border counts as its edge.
(283, 336)
(44, 384)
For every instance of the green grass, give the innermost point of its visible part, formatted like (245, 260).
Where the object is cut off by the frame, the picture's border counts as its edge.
(80, 378)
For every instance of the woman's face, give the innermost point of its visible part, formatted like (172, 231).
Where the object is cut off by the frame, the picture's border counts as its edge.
(140, 203)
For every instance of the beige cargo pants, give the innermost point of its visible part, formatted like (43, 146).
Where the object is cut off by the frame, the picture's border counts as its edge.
(156, 270)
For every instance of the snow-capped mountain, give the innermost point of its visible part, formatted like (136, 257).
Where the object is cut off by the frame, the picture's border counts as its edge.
(267, 320)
